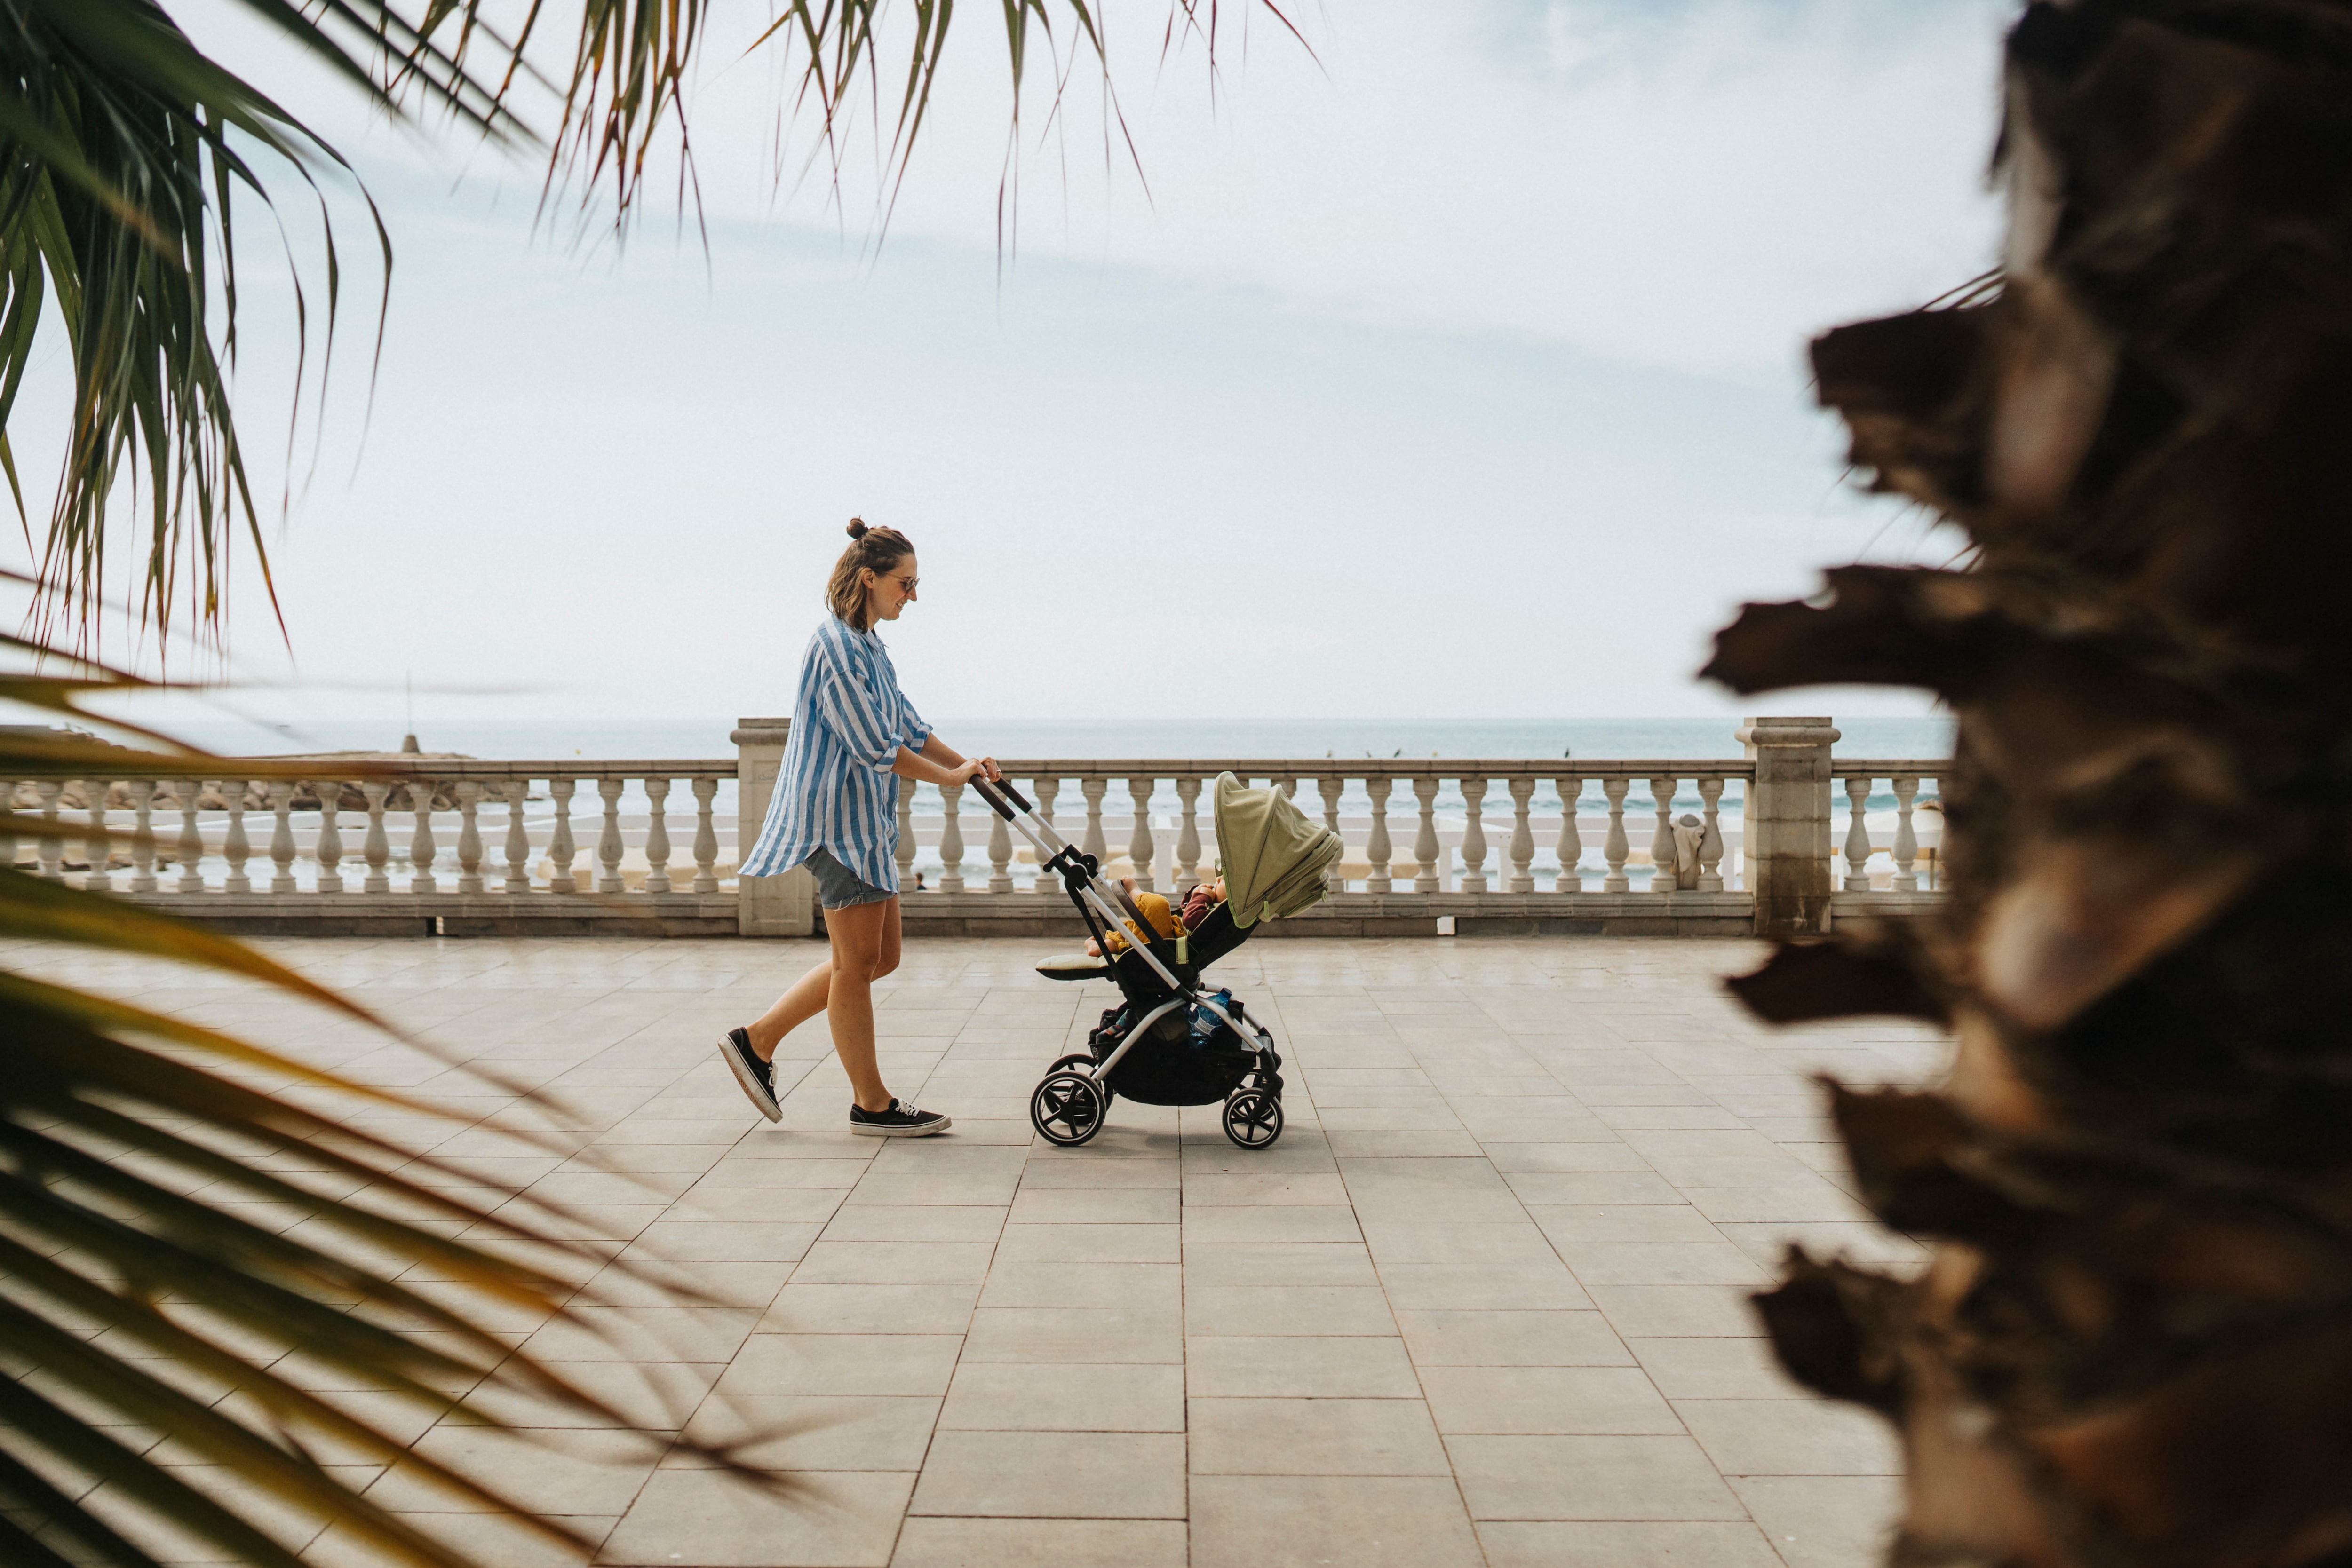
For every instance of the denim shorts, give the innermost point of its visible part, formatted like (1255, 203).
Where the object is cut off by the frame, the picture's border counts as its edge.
(837, 886)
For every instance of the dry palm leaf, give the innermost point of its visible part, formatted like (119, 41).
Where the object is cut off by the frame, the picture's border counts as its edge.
(2133, 1346)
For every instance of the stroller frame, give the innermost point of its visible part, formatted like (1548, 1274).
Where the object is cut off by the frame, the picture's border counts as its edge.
(1157, 977)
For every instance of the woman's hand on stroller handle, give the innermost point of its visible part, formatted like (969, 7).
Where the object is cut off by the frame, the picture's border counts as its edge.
(999, 792)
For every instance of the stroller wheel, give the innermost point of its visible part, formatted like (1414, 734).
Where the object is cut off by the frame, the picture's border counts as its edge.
(1252, 1118)
(1108, 1095)
(1066, 1109)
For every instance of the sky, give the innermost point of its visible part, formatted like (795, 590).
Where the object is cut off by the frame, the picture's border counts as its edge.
(1453, 369)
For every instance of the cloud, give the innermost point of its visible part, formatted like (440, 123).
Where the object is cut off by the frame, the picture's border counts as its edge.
(1696, 184)
(1693, 184)
(1459, 373)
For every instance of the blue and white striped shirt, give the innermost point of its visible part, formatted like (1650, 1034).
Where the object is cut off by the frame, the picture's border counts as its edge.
(836, 790)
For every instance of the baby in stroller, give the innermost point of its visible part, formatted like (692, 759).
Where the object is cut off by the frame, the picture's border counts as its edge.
(1163, 922)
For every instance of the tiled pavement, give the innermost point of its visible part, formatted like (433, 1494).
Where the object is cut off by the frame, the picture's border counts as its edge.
(1482, 1304)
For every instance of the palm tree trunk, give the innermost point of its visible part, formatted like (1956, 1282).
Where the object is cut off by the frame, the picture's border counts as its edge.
(2133, 1346)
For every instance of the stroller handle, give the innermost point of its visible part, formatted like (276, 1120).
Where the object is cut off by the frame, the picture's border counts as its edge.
(1002, 797)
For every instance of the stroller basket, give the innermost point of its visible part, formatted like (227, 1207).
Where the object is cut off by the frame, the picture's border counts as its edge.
(1171, 1042)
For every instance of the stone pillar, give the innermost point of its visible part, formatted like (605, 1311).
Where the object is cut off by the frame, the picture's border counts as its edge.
(1786, 831)
(782, 905)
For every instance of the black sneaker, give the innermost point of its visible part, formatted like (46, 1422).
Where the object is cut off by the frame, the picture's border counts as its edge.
(758, 1079)
(900, 1121)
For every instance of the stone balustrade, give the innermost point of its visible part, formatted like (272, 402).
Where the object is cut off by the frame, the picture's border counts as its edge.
(441, 846)
(1913, 866)
(1465, 845)
(1461, 838)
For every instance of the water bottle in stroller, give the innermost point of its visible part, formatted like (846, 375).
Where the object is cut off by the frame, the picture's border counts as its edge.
(1206, 1023)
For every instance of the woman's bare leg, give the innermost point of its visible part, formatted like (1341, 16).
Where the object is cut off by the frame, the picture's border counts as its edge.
(793, 1009)
(864, 948)
(810, 993)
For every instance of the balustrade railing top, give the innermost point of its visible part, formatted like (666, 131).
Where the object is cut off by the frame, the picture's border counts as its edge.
(1379, 766)
(395, 766)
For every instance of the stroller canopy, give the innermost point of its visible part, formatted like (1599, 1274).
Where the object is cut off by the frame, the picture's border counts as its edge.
(1275, 859)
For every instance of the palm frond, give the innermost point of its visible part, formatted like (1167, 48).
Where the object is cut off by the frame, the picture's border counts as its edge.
(117, 171)
(131, 1262)
(180, 1207)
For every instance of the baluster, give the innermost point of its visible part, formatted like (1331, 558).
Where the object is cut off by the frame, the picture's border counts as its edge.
(1857, 837)
(1424, 839)
(1188, 836)
(1140, 847)
(1093, 789)
(282, 834)
(1474, 835)
(8, 803)
(1664, 860)
(53, 845)
(1523, 838)
(560, 847)
(951, 839)
(233, 846)
(1376, 842)
(376, 848)
(517, 792)
(1934, 856)
(191, 838)
(331, 838)
(656, 836)
(1047, 787)
(1000, 854)
(904, 852)
(469, 834)
(1330, 789)
(142, 840)
(1907, 840)
(95, 845)
(706, 837)
(1570, 847)
(1616, 849)
(421, 847)
(7, 836)
(609, 848)
(1710, 844)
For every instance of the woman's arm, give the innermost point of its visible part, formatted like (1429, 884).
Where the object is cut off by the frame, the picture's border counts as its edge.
(940, 763)
(923, 770)
(939, 751)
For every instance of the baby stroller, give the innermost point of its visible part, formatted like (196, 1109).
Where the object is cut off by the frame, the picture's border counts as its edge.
(1172, 1041)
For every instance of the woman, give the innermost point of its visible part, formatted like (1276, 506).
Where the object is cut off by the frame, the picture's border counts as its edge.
(835, 811)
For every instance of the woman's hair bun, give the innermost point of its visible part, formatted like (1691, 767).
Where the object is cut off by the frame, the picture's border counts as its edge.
(857, 528)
